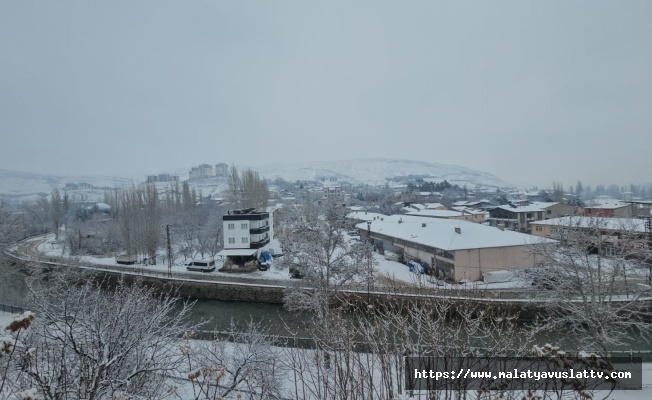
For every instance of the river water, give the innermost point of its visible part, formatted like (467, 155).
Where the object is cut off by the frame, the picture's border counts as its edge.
(218, 315)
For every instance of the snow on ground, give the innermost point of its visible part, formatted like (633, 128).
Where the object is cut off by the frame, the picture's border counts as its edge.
(184, 387)
(54, 249)
(392, 271)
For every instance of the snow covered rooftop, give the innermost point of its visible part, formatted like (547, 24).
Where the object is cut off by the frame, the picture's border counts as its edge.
(614, 224)
(607, 204)
(534, 207)
(365, 216)
(357, 208)
(237, 252)
(436, 213)
(442, 234)
(434, 205)
(469, 210)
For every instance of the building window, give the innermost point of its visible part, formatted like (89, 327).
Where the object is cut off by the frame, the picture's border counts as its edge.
(231, 240)
(539, 228)
(548, 211)
(244, 226)
(231, 226)
(245, 240)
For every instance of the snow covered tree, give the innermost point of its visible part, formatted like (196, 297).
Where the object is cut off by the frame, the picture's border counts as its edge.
(95, 340)
(242, 363)
(246, 190)
(315, 247)
(594, 281)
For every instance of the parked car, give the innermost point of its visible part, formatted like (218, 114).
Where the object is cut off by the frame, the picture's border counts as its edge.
(265, 260)
(201, 265)
(295, 273)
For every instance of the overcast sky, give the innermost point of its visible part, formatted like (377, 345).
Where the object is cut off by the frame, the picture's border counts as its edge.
(531, 91)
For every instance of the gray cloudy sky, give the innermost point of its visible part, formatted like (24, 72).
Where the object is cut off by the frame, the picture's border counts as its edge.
(532, 91)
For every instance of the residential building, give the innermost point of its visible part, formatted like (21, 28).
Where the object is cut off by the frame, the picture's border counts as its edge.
(454, 250)
(642, 208)
(461, 215)
(162, 178)
(581, 222)
(610, 208)
(246, 229)
(201, 172)
(611, 236)
(474, 204)
(333, 193)
(435, 206)
(364, 216)
(221, 169)
(518, 218)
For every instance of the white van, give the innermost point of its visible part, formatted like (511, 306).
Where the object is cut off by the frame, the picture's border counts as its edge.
(201, 265)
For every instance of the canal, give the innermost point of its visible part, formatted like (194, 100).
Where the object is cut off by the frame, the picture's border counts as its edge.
(273, 318)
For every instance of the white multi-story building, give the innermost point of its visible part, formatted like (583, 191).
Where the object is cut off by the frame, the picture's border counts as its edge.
(221, 169)
(246, 229)
(202, 171)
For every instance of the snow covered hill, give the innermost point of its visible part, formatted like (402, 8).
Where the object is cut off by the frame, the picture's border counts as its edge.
(15, 183)
(376, 171)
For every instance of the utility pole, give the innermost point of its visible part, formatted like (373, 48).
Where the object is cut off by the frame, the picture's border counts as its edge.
(648, 230)
(167, 228)
(369, 267)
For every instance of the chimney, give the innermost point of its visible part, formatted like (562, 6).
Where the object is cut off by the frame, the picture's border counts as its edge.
(423, 225)
(458, 230)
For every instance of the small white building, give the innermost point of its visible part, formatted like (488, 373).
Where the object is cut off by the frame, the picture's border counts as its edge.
(246, 229)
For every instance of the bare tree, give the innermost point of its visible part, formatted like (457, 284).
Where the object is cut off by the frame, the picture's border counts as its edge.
(243, 362)
(233, 191)
(150, 220)
(247, 190)
(594, 280)
(363, 356)
(94, 343)
(56, 211)
(316, 248)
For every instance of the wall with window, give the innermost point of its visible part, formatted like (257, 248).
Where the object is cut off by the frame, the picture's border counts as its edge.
(235, 234)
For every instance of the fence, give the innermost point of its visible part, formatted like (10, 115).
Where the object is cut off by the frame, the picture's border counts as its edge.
(11, 309)
(424, 290)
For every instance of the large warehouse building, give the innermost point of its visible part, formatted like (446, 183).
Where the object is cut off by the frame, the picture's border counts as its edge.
(454, 250)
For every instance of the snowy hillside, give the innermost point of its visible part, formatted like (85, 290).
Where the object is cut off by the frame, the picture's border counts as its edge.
(15, 183)
(375, 171)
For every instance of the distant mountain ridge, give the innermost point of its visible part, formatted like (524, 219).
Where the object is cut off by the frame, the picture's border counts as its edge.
(372, 171)
(17, 183)
(376, 171)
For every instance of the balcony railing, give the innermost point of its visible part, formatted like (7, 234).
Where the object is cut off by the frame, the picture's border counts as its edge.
(258, 244)
(262, 229)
